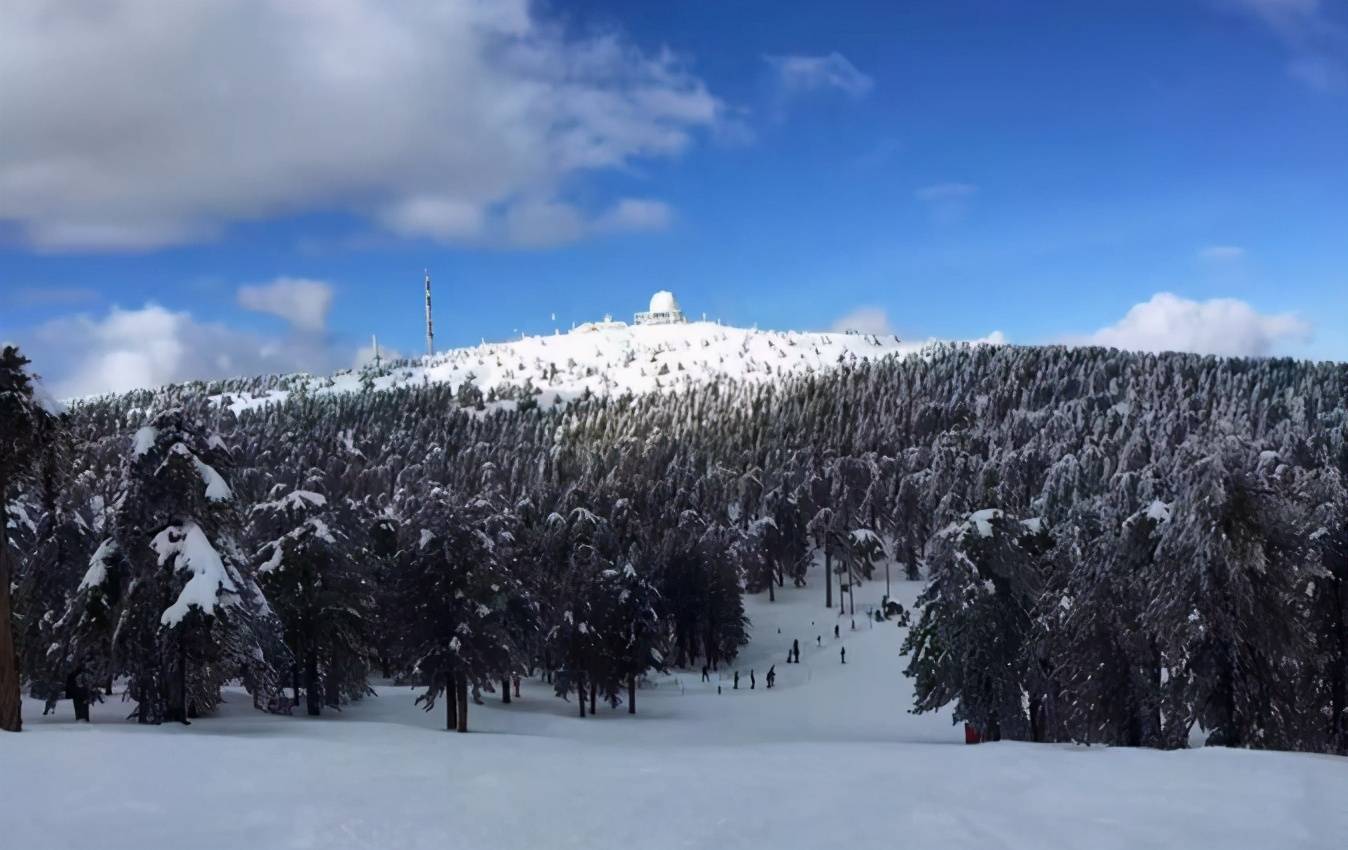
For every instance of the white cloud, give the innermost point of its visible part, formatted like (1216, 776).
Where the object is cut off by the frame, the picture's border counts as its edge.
(1225, 326)
(303, 303)
(1221, 253)
(867, 320)
(1317, 44)
(442, 219)
(148, 347)
(802, 74)
(164, 123)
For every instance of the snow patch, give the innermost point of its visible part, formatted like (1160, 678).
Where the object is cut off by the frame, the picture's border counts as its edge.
(144, 440)
(98, 565)
(211, 584)
(983, 520)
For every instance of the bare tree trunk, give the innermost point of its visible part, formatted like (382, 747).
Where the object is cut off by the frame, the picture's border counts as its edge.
(580, 694)
(505, 690)
(632, 694)
(828, 578)
(451, 702)
(79, 695)
(11, 703)
(594, 692)
(312, 698)
(462, 685)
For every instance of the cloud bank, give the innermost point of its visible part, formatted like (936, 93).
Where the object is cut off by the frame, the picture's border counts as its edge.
(804, 74)
(1224, 326)
(301, 302)
(163, 123)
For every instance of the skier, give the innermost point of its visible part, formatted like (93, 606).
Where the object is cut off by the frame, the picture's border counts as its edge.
(705, 677)
(795, 647)
(844, 655)
(737, 680)
(854, 624)
(752, 681)
(836, 633)
(819, 640)
(772, 676)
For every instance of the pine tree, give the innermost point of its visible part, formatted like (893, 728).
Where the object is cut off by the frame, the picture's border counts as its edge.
(25, 425)
(970, 644)
(185, 614)
(1228, 606)
(455, 597)
(63, 540)
(311, 571)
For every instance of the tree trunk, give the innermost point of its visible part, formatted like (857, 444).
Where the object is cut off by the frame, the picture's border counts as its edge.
(594, 692)
(580, 694)
(312, 698)
(632, 694)
(11, 703)
(505, 690)
(828, 578)
(772, 595)
(175, 684)
(79, 695)
(451, 703)
(1339, 692)
(463, 702)
(910, 566)
(295, 683)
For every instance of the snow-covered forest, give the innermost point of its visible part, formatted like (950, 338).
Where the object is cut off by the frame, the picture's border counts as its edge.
(1118, 548)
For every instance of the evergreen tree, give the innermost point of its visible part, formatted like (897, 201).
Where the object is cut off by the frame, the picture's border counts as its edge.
(454, 597)
(25, 425)
(311, 570)
(970, 644)
(185, 614)
(1229, 606)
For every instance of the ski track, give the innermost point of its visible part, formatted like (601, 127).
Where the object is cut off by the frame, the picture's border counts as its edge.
(828, 758)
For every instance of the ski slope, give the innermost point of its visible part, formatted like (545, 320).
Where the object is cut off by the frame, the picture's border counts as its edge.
(828, 758)
(611, 359)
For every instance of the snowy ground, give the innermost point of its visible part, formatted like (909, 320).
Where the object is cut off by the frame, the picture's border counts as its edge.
(616, 359)
(829, 758)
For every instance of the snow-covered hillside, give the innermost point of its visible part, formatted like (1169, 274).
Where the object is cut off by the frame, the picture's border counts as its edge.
(828, 758)
(610, 359)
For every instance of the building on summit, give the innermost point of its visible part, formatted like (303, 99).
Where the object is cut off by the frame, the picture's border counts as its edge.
(664, 310)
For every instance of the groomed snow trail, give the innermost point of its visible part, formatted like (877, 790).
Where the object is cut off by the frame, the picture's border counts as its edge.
(828, 758)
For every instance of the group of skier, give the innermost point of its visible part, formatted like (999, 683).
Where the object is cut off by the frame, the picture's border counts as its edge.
(792, 657)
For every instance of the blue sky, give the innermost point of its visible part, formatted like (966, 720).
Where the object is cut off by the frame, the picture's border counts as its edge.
(946, 168)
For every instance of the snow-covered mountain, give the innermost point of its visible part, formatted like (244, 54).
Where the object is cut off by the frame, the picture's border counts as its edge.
(608, 358)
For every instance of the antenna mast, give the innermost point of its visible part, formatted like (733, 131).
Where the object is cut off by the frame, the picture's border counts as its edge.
(430, 328)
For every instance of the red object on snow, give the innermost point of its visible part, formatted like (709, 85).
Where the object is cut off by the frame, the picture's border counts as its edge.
(971, 735)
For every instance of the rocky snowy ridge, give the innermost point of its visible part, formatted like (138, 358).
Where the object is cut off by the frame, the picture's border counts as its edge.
(604, 359)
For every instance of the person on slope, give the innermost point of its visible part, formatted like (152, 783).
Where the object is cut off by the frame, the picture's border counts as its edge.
(737, 680)
(705, 677)
(772, 676)
(795, 647)
(752, 681)
(843, 654)
(836, 634)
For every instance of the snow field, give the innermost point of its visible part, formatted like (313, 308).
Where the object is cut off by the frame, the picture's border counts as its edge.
(828, 758)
